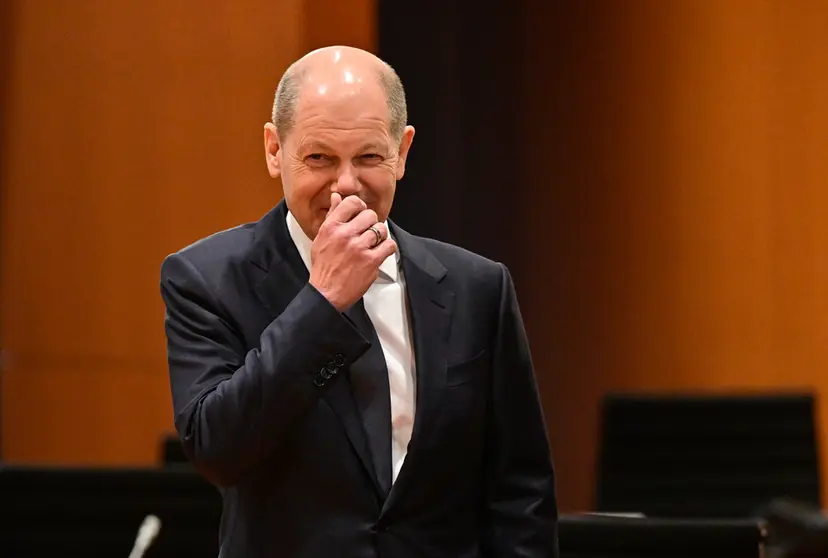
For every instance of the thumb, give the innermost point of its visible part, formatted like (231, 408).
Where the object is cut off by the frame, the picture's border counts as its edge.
(336, 199)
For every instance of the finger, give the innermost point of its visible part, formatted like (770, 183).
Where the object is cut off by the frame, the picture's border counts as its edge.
(369, 238)
(347, 209)
(336, 199)
(385, 249)
(361, 222)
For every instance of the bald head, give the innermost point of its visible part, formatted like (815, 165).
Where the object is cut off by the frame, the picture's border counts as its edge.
(339, 71)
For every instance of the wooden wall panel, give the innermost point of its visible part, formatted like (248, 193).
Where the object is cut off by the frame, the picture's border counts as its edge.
(133, 129)
(335, 22)
(678, 155)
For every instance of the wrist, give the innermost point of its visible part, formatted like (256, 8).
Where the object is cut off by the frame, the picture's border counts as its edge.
(330, 296)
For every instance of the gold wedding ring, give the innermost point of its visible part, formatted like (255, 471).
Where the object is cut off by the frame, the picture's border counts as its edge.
(377, 234)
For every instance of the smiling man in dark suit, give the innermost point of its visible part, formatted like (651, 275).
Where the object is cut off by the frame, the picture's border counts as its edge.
(354, 390)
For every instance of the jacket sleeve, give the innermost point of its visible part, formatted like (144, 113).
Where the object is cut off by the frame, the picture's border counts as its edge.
(234, 407)
(521, 509)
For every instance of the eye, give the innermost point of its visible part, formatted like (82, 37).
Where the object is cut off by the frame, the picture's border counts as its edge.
(317, 159)
(370, 158)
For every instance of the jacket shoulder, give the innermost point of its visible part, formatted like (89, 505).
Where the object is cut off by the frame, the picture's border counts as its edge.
(219, 248)
(213, 261)
(458, 260)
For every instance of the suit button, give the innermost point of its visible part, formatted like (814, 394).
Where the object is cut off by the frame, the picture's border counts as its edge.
(332, 367)
(319, 381)
(339, 360)
(325, 373)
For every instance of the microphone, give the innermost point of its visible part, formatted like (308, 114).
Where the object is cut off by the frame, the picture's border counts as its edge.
(147, 533)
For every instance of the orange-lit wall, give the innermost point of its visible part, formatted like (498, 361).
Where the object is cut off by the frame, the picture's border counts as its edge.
(679, 156)
(132, 128)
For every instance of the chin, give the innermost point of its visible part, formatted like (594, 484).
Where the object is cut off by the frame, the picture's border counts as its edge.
(382, 216)
(315, 227)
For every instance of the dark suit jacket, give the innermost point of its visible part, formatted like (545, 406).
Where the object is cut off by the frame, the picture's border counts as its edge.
(249, 343)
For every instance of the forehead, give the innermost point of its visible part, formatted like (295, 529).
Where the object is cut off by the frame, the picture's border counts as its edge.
(359, 113)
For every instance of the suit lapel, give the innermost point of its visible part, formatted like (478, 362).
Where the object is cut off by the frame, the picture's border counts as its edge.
(282, 272)
(430, 304)
(282, 275)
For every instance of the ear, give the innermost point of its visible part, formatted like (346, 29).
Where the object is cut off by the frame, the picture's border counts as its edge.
(405, 145)
(273, 150)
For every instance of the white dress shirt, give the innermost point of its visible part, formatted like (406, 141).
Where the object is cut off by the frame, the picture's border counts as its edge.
(385, 303)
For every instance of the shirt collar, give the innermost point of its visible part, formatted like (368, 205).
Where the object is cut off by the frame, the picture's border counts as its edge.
(389, 269)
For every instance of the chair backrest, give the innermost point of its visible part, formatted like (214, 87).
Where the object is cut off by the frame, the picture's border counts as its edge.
(706, 455)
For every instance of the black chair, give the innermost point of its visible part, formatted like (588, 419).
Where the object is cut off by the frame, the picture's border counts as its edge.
(47, 512)
(172, 451)
(720, 456)
(608, 537)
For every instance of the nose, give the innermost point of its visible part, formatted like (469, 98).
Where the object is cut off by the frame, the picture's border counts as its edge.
(347, 182)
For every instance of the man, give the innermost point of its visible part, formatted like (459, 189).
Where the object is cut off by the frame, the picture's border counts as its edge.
(354, 390)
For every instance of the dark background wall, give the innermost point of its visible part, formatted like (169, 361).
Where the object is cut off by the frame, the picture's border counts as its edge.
(653, 174)
(463, 87)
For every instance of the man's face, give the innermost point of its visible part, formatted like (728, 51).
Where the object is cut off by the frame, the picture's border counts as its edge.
(338, 144)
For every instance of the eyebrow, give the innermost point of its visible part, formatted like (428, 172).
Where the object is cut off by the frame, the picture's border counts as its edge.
(316, 145)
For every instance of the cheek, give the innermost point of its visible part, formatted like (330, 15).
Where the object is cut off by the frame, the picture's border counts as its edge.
(305, 191)
(380, 178)
(381, 183)
(306, 184)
